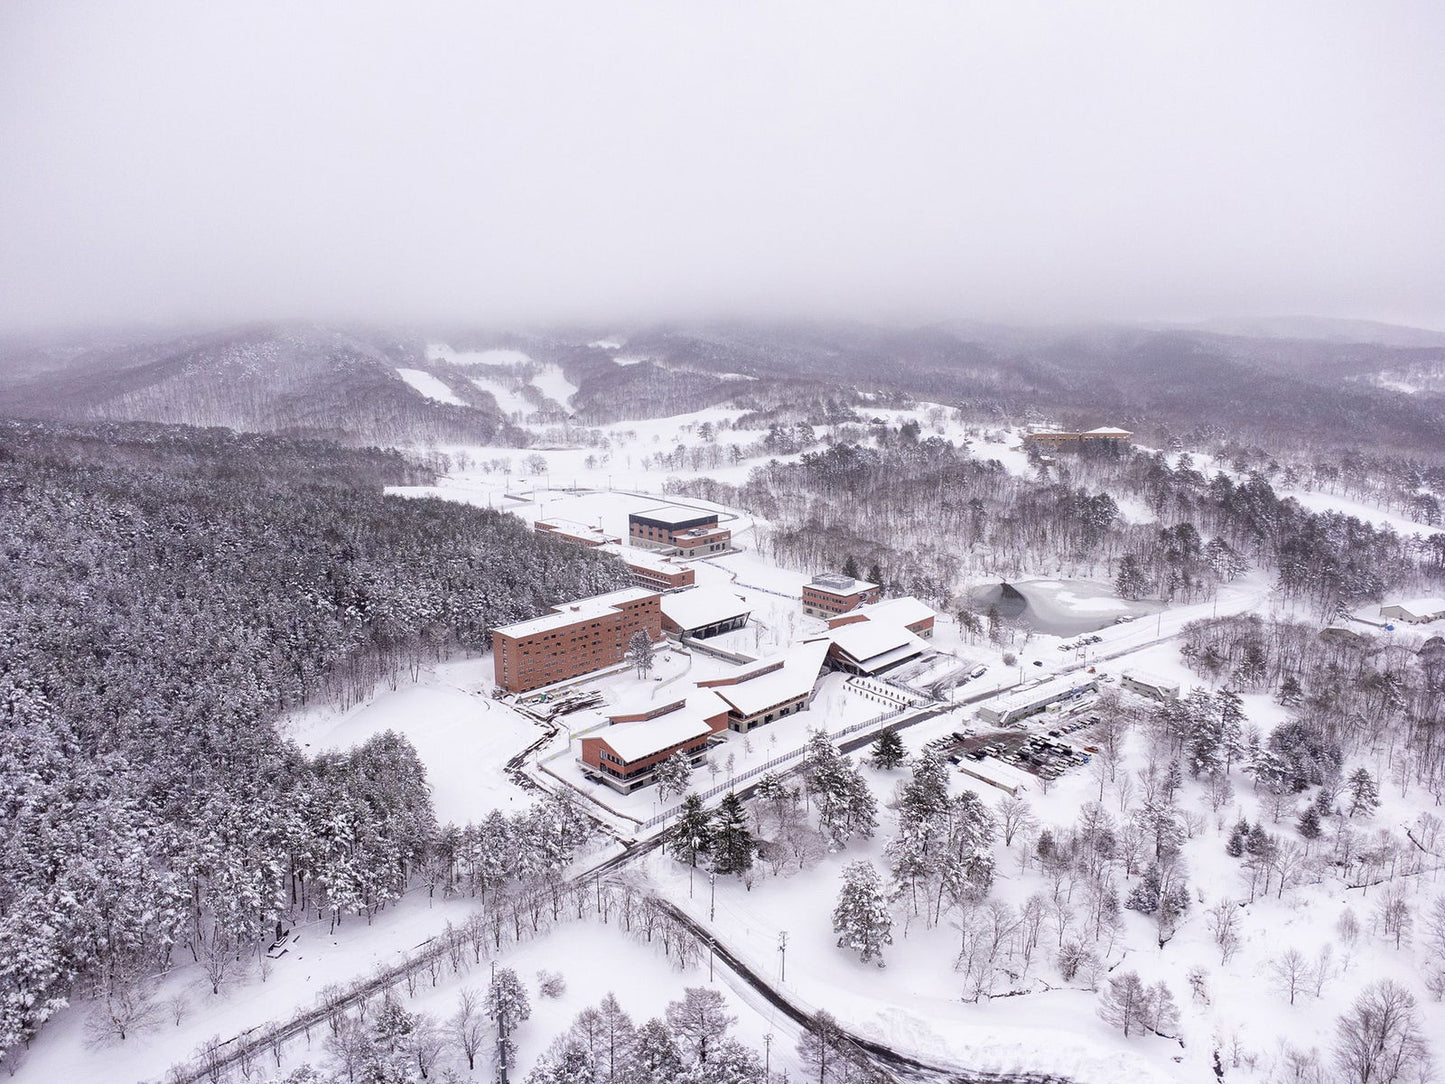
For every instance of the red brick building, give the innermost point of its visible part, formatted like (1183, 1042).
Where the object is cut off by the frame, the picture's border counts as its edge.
(1049, 438)
(574, 639)
(832, 593)
(577, 534)
(689, 532)
(655, 570)
(770, 688)
(626, 754)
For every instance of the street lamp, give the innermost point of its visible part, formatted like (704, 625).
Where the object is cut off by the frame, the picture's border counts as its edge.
(712, 895)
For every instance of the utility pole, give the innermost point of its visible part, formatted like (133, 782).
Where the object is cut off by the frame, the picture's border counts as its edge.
(768, 1058)
(712, 900)
(711, 945)
(782, 955)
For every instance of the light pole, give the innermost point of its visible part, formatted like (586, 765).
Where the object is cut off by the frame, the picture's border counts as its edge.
(768, 1058)
(711, 945)
(712, 895)
(782, 955)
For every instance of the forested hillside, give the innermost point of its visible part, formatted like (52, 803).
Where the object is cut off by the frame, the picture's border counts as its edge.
(306, 380)
(927, 514)
(164, 594)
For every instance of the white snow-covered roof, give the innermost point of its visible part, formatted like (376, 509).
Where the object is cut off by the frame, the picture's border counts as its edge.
(835, 583)
(1421, 606)
(569, 613)
(871, 644)
(699, 606)
(1044, 690)
(675, 515)
(904, 611)
(799, 673)
(996, 772)
(1108, 431)
(1158, 681)
(633, 741)
(575, 529)
(643, 558)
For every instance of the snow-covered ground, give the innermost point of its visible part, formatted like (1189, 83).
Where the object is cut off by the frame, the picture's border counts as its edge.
(462, 736)
(465, 738)
(430, 386)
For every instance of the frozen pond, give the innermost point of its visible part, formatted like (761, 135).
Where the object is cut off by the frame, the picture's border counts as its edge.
(1062, 607)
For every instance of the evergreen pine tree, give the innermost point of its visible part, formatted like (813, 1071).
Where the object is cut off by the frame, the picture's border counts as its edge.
(888, 751)
(654, 1052)
(1364, 795)
(1309, 822)
(861, 917)
(1145, 896)
(851, 569)
(691, 836)
(733, 846)
(1235, 846)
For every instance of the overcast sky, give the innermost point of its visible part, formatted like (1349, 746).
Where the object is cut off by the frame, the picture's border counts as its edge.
(912, 161)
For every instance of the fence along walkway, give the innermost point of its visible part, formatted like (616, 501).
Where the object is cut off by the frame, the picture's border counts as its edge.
(775, 762)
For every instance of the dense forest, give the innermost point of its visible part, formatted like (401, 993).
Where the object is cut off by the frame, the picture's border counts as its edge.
(928, 514)
(165, 593)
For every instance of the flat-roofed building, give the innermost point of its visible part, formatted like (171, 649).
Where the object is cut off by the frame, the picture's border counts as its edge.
(915, 616)
(1020, 705)
(704, 611)
(625, 754)
(576, 638)
(1050, 438)
(573, 533)
(1150, 685)
(1416, 611)
(869, 648)
(688, 532)
(831, 593)
(658, 571)
(770, 688)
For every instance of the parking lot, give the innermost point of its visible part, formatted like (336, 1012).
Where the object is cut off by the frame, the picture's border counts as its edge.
(1046, 745)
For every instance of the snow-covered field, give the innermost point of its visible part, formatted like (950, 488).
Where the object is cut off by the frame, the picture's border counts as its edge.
(915, 1004)
(430, 386)
(462, 736)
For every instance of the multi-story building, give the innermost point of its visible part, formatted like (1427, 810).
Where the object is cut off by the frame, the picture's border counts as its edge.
(831, 593)
(770, 688)
(577, 534)
(657, 571)
(1050, 438)
(688, 532)
(575, 638)
(626, 754)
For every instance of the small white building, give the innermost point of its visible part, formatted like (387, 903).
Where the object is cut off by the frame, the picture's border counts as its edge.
(1150, 685)
(996, 773)
(1020, 705)
(1416, 611)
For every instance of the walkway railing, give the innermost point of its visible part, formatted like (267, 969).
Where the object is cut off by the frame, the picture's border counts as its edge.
(767, 766)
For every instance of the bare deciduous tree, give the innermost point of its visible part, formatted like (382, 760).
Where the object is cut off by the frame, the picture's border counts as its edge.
(1378, 1041)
